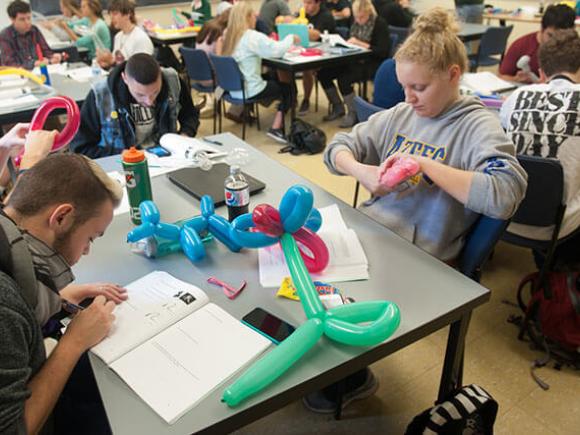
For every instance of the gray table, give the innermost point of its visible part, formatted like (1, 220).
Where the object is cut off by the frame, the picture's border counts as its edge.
(328, 60)
(430, 294)
(62, 85)
(471, 31)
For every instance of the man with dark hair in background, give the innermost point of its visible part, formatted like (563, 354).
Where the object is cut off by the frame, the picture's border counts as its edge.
(131, 39)
(134, 106)
(56, 210)
(21, 41)
(520, 62)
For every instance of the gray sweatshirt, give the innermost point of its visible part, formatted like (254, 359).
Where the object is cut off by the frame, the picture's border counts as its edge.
(467, 136)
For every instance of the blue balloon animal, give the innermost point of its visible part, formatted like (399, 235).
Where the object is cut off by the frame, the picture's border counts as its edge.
(187, 233)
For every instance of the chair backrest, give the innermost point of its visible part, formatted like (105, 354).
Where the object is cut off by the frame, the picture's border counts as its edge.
(478, 245)
(364, 109)
(494, 41)
(394, 43)
(544, 200)
(401, 32)
(227, 73)
(197, 64)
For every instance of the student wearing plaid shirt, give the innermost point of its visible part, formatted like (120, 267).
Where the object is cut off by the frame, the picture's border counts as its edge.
(19, 41)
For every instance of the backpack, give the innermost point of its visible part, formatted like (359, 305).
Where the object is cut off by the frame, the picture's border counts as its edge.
(469, 411)
(551, 318)
(304, 138)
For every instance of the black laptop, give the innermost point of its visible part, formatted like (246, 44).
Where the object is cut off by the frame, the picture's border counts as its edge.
(198, 182)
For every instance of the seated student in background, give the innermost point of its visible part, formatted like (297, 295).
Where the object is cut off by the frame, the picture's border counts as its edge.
(131, 39)
(341, 11)
(21, 41)
(134, 106)
(368, 31)
(387, 91)
(398, 13)
(556, 17)
(72, 17)
(202, 7)
(54, 222)
(223, 6)
(248, 46)
(270, 10)
(542, 121)
(320, 19)
(99, 35)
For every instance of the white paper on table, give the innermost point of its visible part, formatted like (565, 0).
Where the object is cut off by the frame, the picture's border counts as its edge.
(182, 147)
(300, 59)
(14, 93)
(83, 74)
(334, 40)
(26, 100)
(53, 68)
(485, 82)
(12, 81)
(347, 262)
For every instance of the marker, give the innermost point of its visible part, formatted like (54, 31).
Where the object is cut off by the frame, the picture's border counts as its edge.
(212, 141)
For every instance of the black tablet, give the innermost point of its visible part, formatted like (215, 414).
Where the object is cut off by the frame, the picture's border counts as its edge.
(198, 182)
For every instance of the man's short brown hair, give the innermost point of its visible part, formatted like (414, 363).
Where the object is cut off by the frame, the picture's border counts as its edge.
(124, 7)
(561, 53)
(62, 179)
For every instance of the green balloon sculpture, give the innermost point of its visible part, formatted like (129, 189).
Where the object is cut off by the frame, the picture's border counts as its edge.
(357, 324)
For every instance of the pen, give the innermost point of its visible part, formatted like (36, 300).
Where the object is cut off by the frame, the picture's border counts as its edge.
(212, 141)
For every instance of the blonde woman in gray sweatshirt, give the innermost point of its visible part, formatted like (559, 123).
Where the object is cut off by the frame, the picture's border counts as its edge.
(467, 163)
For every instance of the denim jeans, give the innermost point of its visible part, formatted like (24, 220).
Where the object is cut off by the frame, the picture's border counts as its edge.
(470, 13)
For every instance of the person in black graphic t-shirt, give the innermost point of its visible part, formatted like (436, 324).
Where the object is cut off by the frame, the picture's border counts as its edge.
(135, 105)
(542, 120)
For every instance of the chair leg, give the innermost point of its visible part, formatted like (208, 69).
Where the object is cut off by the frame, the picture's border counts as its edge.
(215, 114)
(244, 120)
(356, 189)
(316, 93)
(257, 116)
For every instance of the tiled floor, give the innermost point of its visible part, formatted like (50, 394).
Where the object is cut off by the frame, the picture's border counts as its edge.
(409, 379)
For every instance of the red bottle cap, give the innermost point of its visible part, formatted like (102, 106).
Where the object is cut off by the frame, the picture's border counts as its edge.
(133, 155)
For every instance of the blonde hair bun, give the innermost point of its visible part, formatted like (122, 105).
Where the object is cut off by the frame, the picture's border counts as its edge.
(436, 20)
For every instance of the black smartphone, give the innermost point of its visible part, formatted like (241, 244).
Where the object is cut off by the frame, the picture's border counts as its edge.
(267, 324)
(159, 151)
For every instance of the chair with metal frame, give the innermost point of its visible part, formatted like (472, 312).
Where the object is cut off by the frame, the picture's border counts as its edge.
(200, 72)
(364, 110)
(230, 79)
(543, 206)
(493, 44)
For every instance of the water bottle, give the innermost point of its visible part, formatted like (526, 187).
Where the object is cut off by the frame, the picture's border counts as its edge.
(137, 181)
(237, 192)
(44, 73)
(95, 67)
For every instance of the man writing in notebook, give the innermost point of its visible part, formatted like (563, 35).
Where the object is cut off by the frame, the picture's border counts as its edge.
(21, 43)
(134, 106)
(56, 210)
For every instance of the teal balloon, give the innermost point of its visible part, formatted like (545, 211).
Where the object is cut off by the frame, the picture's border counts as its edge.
(379, 320)
(274, 363)
(301, 278)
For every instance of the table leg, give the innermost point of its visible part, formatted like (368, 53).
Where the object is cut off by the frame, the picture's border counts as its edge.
(293, 95)
(452, 374)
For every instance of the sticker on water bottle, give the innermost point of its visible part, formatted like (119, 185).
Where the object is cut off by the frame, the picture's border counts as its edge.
(237, 198)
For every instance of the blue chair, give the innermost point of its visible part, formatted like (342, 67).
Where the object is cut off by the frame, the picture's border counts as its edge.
(493, 44)
(394, 43)
(364, 110)
(199, 70)
(543, 206)
(230, 79)
(401, 32)
(479, 244)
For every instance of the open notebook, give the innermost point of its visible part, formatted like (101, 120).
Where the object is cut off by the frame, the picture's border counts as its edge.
(173, 347)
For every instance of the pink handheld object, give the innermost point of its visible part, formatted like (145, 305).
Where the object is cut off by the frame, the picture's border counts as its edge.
(64, 137)
(402, 169)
